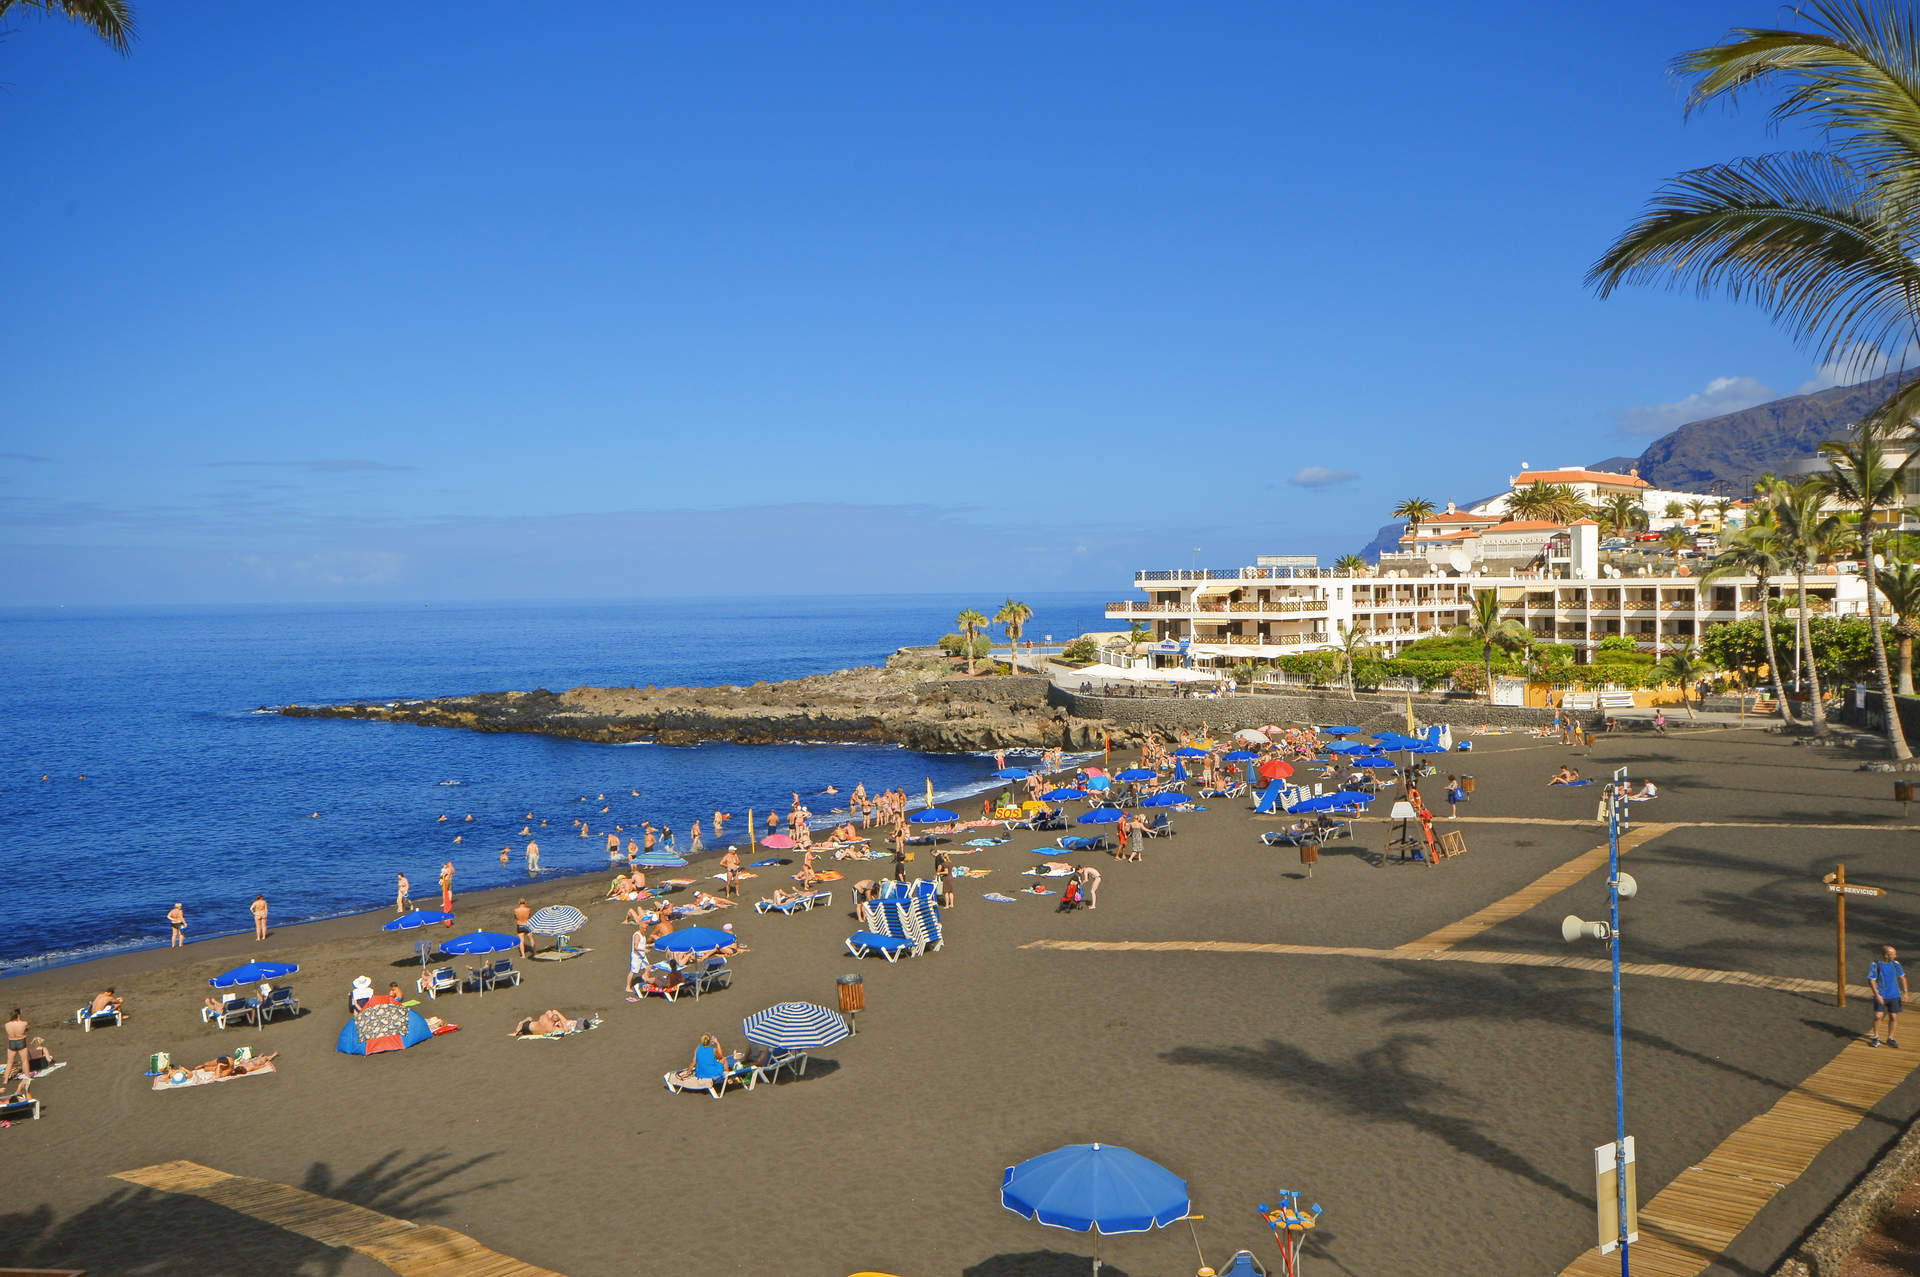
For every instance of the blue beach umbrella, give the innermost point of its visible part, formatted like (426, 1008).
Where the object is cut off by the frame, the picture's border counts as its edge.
(794, 1026)
(479, 942)
(1100, 783)
(1163, 800)
(1346, 747)
(418, 918)
(933, 816)
(1012, 773)
(1059, 795)
(1239, 756)
(1097, 1188)
(1351, 797)
(1340, 731)
(253, 973)
(1101, 816)
(695, 940)
(1324, 802)
(1136, 773)
(1423, 747)
(1374, 762)
(1188, 751)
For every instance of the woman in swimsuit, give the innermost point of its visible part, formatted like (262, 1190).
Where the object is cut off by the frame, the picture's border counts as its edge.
(16, 1044)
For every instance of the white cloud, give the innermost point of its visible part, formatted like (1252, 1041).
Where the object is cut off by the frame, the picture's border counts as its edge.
(1722, 395)
(1321, 477)
(1859, 363)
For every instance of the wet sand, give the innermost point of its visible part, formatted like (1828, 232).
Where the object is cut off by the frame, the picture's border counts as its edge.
(1443, 1113)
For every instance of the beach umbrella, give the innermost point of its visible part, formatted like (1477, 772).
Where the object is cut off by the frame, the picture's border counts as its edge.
(1346, 747)
(1251, 736)
(479, 942)
(1239, 756)
(1342, 730)
(1059, 795)
(695, 940)
(1351, 797)
(557, 920)
(1102, 816)
(933, 816)
(1094, 771)
(779, 842)
(253, 973)
(1188, 751)
(1012, 773)
(1323, 802)
(419, 918)
(1097, 1188)
(1423, 747)
(1275, 769)
(794, 1026)
(1136, 773)
(1163, 800)
(1374, 762)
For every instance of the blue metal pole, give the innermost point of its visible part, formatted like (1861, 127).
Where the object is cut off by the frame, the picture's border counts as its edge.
(1615, 802)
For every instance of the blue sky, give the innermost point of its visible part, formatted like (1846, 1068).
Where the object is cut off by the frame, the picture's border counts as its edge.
(374, 301)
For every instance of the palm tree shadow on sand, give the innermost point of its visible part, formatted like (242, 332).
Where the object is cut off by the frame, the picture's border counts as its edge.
(141, 1232)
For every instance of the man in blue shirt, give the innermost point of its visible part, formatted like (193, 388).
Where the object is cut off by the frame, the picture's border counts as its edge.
(1889, 983)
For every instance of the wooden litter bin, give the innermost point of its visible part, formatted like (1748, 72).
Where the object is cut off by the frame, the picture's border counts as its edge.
(1903, 791)
(1466, 783)
(853, 997)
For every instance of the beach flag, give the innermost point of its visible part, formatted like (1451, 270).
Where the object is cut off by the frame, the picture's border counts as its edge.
(751, 844)
(1410, 727)
(1106, 741)
(929, 791)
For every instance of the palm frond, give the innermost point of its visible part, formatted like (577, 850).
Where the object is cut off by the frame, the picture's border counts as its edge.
(111, 20)
(1795, 232)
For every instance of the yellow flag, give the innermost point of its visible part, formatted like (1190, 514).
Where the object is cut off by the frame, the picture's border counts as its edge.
(1410, 711)
(751, 845)
(929, 791)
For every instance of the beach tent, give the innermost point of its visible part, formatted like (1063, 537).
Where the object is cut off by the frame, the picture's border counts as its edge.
(383, 1025)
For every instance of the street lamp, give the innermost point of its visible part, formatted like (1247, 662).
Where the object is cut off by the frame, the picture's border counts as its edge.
(1619, 887)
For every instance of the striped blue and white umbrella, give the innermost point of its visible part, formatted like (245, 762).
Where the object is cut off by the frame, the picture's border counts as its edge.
(557, 920)
(794, 1026)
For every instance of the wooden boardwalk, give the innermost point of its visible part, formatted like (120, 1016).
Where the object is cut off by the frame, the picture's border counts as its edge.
(1691, 1221)
(415, 1250)
(1548, 884)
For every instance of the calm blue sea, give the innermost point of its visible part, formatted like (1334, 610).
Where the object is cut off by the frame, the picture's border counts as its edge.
(191, 795)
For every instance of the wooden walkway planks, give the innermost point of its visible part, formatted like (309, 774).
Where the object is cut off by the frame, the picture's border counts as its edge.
(1548, 884)
(1690, 1223)
(414, 1250)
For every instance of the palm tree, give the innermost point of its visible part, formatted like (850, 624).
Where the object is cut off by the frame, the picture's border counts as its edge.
(1492, 630)
(1696, 507)
(970, 623)
(111, 20)
(1136, 635)
(1674, 510)
(1806, 532)
(1353, 645)
(1622, 514)
(1013, 616)
(1529, 501)
(1900, 583)
(1351, 564)
(1676, 540)
(1861, 475)
(1721, 509)
(1685, 666)
(1414, 510)
(1755, 551)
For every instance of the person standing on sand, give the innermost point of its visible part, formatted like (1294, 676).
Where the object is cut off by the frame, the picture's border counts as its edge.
(1089, 884)
(259, 911)
(178, 918)
(730, 864)
(16, 1046)
(1887, 976)
(446, 887)
(533, 856)
(402, 894)
(522, 914)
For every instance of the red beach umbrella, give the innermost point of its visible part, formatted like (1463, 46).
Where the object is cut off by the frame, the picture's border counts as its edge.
(1275, 769)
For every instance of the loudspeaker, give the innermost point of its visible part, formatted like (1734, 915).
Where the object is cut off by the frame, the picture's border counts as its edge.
(1572, 928)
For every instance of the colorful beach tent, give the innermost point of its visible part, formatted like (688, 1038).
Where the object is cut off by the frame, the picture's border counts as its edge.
(253, 973)
(384, 1025)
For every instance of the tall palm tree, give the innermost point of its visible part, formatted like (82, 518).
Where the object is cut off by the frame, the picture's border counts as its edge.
(1353, 645)
(1622, 514)
(1676, 540)
(970, 623)
(1352, 564)
(1755, 551)
(1863, 476)
(1685, 666)
(1485, 624)
(1529, 501)
(1696, 507)
(1013, 617)
(1721, 509)
(111, 20)
(1900, 583)
(1137, 634)
(1414, 510)
(1806, 532)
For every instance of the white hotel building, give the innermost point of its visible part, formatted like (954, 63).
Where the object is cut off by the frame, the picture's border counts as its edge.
(1284, 605)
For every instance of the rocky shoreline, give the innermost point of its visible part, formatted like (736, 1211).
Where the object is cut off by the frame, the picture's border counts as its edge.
(915, 700)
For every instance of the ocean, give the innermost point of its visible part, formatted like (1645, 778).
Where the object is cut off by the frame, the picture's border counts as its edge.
(190, 794)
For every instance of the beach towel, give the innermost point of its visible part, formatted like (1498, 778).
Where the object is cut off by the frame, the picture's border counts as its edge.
(1037, 891)
(771, 860)
(1575, 784)
(681, 882)
(985, 842)
(742, 874)
(829, 875)
(445, 1029)
(962, 871)
(997, 898)
(55, 1067)
(205, 1077)
(1047, 873)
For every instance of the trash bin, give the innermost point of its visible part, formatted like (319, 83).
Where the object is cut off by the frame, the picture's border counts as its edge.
(1466, 783)
(853, 997)
(1903, 791)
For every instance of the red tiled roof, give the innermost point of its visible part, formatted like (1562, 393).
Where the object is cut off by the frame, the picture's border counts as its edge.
(1580, 476)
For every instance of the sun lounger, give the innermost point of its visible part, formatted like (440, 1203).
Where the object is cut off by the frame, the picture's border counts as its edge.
(86, 1020)
(438, 981)
(498, 972)
(281, 999)
(19, 1110)
(1080, 842)
(923, 924)
(775, 1059)
(713, 1086)
(1234, 790)
(864, 944)
(230, 1010)
(716, 974)
(1289, 838)
(1159, 827)
(797, 903)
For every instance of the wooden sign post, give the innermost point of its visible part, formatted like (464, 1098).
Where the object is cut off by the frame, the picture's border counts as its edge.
(1837, 883)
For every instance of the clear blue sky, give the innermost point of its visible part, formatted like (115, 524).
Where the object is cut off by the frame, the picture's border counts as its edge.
(502, 301)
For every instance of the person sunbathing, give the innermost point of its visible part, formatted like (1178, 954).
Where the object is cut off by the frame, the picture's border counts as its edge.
(662, 979)
(707, 903)
(710, 1063)
(546, 1024)
(1565, 776)
(224, 1066)
(1648, 790)
(104, 1001)
(39, 1059)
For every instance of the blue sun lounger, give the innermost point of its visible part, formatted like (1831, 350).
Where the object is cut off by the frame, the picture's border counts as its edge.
(1078, 842)
(86, 1020)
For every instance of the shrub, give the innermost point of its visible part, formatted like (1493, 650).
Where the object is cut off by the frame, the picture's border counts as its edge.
(1082, 651)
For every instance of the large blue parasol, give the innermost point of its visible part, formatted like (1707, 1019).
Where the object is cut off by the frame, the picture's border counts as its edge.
(1102, 816)
(1100, 1188)
(1164, 800)
(253, 973)
(933, 816)
(480, 942)
(419, 918)
(695, 940)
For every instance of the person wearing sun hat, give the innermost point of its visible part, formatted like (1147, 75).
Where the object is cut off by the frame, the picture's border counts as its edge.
(362, 993)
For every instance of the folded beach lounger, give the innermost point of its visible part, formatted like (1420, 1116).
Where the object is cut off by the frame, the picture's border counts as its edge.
(438, 981)
(923, 924)
(87, 1021)
(233, 1009)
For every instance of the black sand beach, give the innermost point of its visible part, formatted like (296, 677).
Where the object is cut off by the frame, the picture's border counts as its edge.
(1443, 1112)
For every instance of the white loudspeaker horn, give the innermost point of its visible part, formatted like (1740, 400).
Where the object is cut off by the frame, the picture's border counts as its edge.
(1572, 928)
(1628, 887)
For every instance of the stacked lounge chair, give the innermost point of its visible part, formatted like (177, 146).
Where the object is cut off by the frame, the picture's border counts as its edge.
(899, 925)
